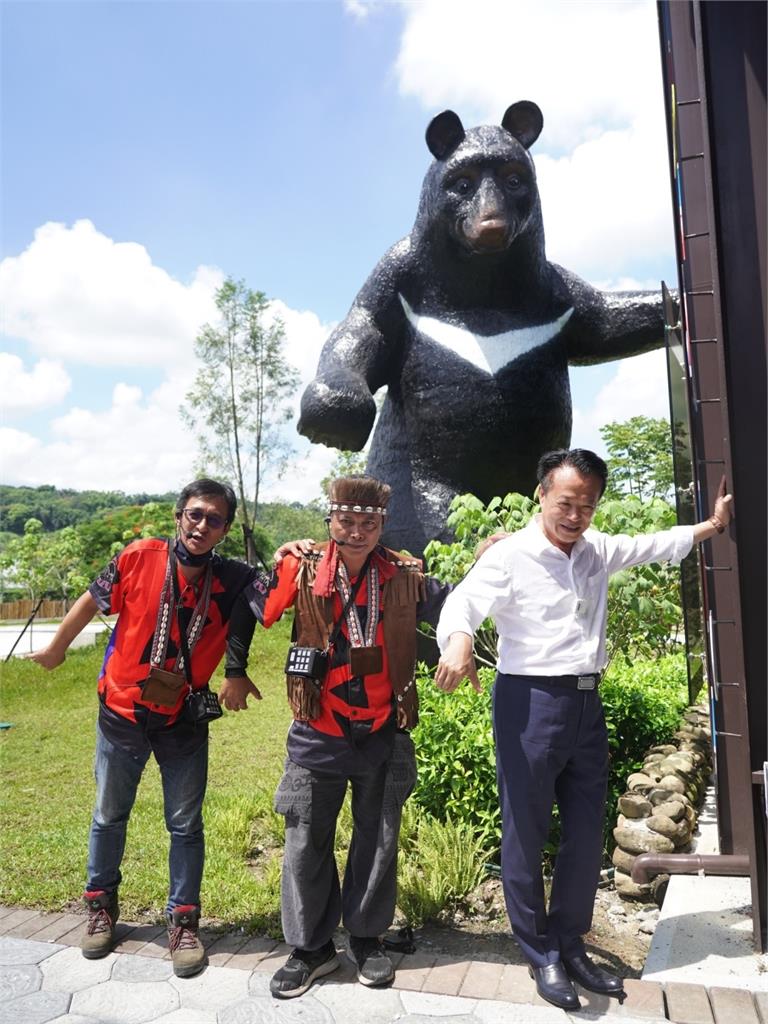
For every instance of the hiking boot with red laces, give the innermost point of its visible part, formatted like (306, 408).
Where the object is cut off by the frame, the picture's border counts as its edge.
(103, 912)
(187, 950)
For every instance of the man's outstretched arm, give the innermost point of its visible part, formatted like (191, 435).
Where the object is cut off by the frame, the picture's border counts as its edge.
(73, 623)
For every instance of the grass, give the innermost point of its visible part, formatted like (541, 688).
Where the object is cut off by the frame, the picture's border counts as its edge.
(46, 795)
(47, 789)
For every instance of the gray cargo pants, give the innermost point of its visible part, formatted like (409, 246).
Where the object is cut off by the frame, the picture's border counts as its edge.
(312, 901)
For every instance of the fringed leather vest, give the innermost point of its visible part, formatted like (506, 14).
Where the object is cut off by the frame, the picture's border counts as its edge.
(314, 622)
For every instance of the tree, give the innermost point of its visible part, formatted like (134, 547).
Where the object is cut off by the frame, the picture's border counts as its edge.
(63, 562)
(639, 458)
(345, 464)
(240, 394)
(22, 564)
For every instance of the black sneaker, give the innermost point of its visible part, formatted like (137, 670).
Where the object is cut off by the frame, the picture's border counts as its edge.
(373, 965)
(301, 968)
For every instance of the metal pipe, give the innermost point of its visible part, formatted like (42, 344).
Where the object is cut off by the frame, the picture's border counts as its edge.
(647, 865)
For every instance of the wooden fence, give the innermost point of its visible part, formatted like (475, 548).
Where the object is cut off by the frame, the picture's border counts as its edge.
(23, 609)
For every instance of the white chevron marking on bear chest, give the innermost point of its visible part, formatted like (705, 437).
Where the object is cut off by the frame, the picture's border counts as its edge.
(489, 353)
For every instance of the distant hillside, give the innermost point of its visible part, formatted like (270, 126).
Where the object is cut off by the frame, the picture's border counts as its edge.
(106, 519)
(59, 508)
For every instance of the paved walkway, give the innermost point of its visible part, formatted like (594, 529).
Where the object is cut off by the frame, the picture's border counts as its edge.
(39, 635)
(45, 980)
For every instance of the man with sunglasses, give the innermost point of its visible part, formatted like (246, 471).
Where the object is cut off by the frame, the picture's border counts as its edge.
(156, 587)
(351, 688)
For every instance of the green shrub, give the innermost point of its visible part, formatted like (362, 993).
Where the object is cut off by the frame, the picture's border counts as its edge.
(471, 521)
(645, 618)
(643, 702)
(439, 864)
(455, 756)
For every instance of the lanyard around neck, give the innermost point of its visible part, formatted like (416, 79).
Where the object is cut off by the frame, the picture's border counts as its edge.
(170, 606)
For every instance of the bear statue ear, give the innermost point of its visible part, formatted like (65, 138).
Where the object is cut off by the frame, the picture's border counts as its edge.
(444, 133)
(524, 120)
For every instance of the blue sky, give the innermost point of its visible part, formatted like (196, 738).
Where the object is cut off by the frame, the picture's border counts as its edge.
(152, 148)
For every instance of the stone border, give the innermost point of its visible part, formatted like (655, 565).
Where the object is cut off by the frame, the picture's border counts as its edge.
(659, 811)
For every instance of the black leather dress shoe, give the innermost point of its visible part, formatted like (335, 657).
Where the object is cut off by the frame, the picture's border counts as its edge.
(554, 985)
(581, 970)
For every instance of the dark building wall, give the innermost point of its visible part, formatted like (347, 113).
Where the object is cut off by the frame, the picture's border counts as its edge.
(735, 41)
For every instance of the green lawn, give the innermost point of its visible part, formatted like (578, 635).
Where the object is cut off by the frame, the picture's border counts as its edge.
(46, 797)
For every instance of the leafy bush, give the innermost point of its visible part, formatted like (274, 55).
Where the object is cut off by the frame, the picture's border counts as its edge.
(455, 756)
(440, 863)
(644, 612)
(471, 522)
(643, 702)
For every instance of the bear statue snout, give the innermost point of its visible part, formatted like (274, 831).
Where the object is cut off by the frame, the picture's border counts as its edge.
(491, 234)
(487, 225)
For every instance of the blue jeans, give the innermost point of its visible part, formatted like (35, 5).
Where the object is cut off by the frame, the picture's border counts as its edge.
(117, 778)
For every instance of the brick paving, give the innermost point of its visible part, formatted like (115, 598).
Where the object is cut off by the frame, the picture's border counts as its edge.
(135, 985)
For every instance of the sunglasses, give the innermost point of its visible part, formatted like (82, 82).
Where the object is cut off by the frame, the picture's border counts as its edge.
(196, 515)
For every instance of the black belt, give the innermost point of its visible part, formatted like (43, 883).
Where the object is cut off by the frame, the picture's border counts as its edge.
(586, 681)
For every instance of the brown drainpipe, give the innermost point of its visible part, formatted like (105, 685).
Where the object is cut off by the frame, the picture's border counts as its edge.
(647, 865)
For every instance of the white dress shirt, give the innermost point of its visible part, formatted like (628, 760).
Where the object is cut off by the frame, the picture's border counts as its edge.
(550, 610)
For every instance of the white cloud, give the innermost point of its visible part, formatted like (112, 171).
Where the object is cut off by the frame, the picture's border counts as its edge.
(25, 391)
(76, 294)
(589, 66)
(359, 8)
(607, 206)
(627, 284)
(137, 444)
(637, 388)
(595, 71)
(305, 335)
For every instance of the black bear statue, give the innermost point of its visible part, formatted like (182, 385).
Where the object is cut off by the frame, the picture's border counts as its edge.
(472, 330)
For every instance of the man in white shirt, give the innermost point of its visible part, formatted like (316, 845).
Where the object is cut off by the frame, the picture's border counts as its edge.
(546, 588)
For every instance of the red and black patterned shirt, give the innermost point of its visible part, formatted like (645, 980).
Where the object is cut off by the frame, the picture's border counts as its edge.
(130, 586)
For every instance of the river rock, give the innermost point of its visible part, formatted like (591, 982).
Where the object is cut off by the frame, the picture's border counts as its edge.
(623, 860)
(672, 784)
(659, 886)
(641, 840)
(674, 809)
(679, 833)
(692, 732)
(639, 780)
(633, 805)
(630, 890)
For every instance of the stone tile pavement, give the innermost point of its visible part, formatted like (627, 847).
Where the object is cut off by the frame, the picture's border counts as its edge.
(45, 980)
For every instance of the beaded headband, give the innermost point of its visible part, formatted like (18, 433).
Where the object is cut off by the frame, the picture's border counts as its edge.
(335, 506)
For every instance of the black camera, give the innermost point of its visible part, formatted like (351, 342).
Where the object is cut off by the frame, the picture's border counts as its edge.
(307, 662)
(202, 706)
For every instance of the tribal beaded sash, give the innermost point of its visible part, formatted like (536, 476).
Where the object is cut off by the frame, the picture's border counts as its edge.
(373, 597)
(165, 615)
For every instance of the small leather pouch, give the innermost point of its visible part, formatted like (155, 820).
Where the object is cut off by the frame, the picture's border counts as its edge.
(162, 687)
(366, 661)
